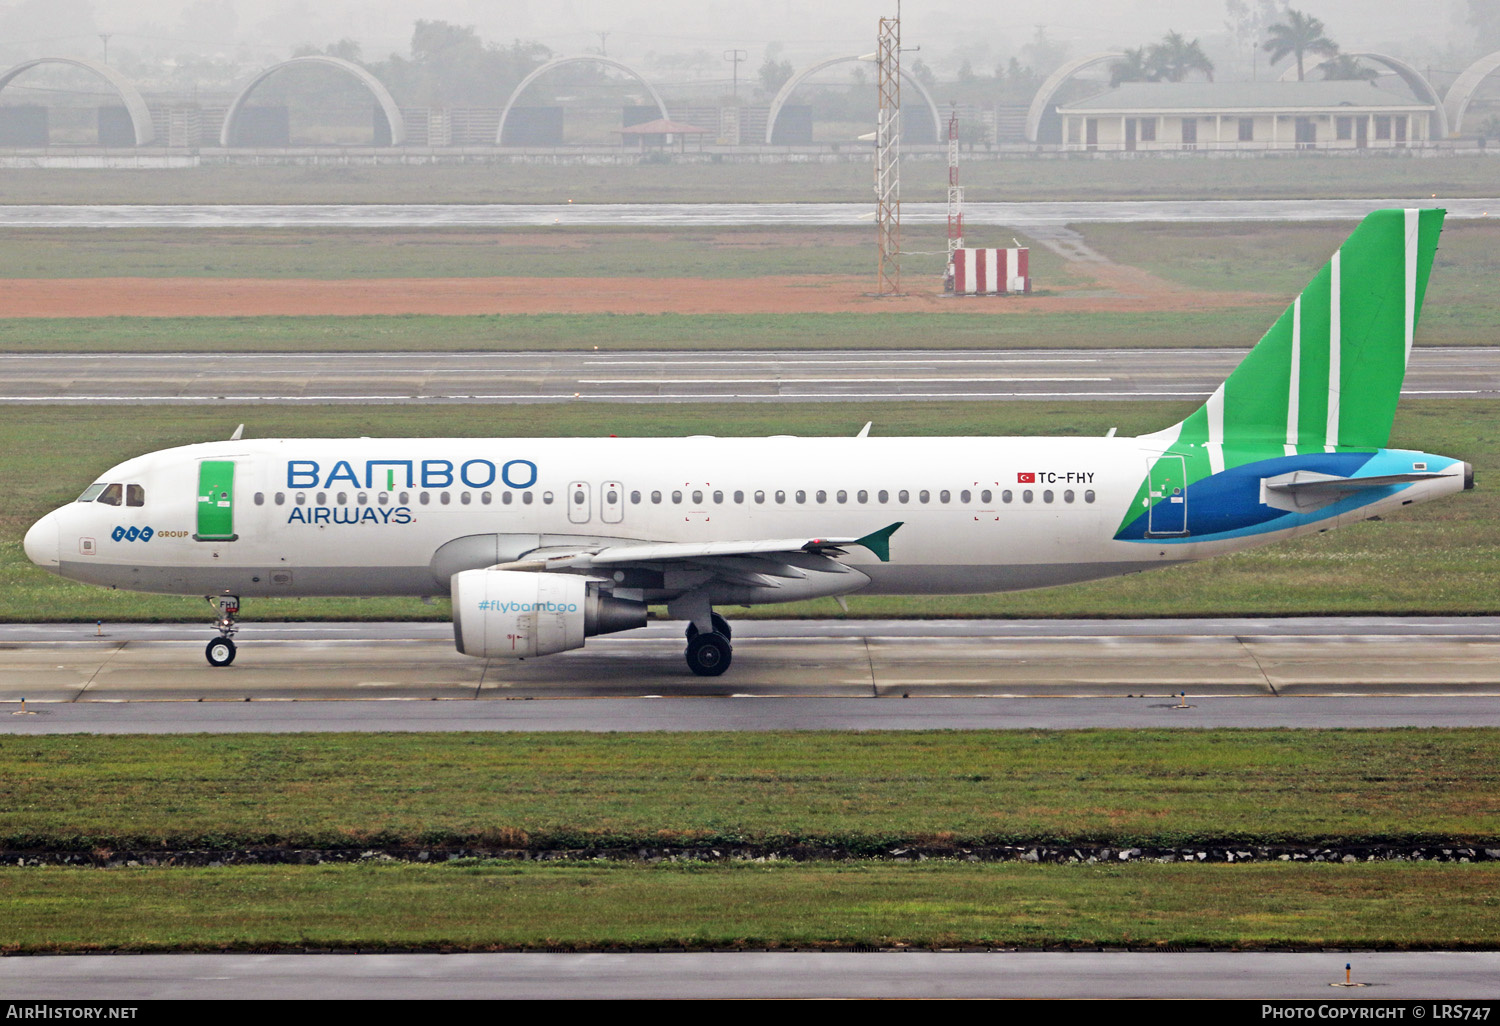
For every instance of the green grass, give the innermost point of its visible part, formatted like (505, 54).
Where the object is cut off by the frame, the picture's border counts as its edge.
(1438, 558)
(999, 328)
(603, 907)
(1078, 177)
(864, 792)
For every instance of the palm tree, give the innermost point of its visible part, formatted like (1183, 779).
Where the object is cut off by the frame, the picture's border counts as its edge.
(1345, 68)
(1174, 58)
(1133, 67)
(1299, 34)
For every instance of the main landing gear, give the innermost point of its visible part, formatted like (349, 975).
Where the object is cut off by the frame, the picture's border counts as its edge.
(220, 651)
(708, 655)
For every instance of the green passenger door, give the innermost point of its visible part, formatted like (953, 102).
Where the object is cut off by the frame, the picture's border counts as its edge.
(215, 501)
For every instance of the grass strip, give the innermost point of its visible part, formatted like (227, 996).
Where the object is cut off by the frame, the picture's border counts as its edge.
(857, 792)
(1056, 177)
(602, 907)
(1439, 559)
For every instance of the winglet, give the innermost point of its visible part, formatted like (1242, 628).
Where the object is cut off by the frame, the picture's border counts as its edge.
(879, 542)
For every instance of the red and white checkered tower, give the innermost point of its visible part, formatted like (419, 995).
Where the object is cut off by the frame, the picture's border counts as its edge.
(955, 195)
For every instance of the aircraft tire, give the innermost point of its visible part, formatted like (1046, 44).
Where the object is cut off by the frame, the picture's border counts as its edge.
(709, 655)
(721, 626)
(220, 652)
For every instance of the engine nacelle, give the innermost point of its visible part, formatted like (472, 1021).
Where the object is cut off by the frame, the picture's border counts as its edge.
(518, 614)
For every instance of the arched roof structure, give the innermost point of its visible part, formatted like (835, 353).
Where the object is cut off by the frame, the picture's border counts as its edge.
(1463, 87)
(1044, 95)
(377, 90)
(557, 62)
(1414, 79)
(135, 105)
(785, 92)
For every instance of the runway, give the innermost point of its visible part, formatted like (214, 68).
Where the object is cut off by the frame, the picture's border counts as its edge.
(800, 376)
(1261, 976)
(505, 215)
(786, 675)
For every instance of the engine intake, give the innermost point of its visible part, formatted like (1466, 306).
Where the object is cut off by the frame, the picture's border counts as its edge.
(514, 614)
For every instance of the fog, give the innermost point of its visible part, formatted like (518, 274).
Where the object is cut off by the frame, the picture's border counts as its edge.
(252, 32)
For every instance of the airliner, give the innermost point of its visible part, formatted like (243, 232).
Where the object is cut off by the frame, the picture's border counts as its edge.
(542, 543)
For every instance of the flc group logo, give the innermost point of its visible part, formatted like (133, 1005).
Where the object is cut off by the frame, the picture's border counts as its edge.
(131, 534)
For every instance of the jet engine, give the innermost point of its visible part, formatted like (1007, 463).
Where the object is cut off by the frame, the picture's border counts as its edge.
(518, 614)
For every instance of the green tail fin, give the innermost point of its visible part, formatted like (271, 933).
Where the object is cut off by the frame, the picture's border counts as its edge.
(1328, 374)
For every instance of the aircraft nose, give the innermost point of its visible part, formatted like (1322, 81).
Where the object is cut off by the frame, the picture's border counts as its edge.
(41, 544)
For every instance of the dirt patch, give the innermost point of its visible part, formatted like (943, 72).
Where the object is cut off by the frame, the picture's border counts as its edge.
(1116, 289)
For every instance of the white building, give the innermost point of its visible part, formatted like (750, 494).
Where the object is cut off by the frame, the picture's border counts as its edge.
(1244, 116)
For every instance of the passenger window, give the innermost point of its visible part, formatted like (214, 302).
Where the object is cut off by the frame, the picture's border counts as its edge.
(611, 496)
(1026, 495)
(903, 496)
(1068, 495)
(463, 497)
(841, 496)
(739, 496)
(923, 495)
(760, 497)
(862, 496)
(382, 497)
(546, 498)
(260, 498)
(718, 497)
(963, 496)
(342, 498)
(323, 498)
(697, 498)
(92, 492)
(1047, 495)
(362, 499)
(780, 498)
(883, 496)
(281, 498)
(505, 498)
(656, 497)
(443, 497)
(526, 499)
(944, 495)
(578, 496)
(484, 498)
(110, 496)
(1006, 496)
(801, 496)
(635, 498)
(404, 498)
(985, 496)
(822, 495)
(301, 498)
(1088, 496)
(135, 495)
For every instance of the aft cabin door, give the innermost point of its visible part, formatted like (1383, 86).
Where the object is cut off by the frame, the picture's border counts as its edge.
(215, 501)
(1168, 496)
(578, 502)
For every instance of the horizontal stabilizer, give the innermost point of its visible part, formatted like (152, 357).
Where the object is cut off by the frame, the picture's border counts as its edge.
(1305, 490)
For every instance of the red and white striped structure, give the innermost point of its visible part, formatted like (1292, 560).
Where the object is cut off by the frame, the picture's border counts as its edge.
(990, 272)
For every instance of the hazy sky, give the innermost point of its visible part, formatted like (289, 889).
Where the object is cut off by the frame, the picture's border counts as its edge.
(634, 28)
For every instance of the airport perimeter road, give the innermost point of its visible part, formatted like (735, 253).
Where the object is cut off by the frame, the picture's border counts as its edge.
(506, 215)
(1304, 976)
(808, 376)
(786, 674)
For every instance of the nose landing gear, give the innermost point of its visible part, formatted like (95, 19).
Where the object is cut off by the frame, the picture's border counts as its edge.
(221, 650)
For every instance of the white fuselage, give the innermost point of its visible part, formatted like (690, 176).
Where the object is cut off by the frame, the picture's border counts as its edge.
(400, 516)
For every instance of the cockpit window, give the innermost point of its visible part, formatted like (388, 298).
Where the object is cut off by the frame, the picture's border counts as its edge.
(111, 495)
(135, 495)
(92, 491)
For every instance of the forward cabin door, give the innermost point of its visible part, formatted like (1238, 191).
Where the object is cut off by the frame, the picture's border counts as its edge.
(1168, 494)
(215, 501)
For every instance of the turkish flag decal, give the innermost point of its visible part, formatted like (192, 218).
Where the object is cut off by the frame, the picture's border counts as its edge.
(1025, 479)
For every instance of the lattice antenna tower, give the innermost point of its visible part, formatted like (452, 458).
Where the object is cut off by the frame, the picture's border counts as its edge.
(888, 157)
(955, 193)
